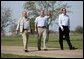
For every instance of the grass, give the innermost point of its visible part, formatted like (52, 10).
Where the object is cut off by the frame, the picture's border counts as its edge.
(3, 55)
(76, 40)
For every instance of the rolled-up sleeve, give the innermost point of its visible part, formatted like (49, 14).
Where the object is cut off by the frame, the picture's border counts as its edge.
(49, 19)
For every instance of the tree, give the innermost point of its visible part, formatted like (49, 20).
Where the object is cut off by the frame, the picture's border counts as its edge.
(13, 28)
(6, 18)
(35, 6)
(32, 25)
(79, 29)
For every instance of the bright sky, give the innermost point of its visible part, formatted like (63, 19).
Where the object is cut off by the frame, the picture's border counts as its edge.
(76, 18)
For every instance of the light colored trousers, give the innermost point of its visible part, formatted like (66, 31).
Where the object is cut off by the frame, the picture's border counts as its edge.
(25, 37)
(43, 32)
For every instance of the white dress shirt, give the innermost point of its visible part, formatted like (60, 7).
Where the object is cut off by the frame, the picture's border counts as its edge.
(42, 21)
(63, 20)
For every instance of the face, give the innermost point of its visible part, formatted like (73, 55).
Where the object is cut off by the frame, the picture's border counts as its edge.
(24, 14)
(64, 11)
(42, 13)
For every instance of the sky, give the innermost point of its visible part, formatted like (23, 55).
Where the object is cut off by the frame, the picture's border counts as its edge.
(76, 17)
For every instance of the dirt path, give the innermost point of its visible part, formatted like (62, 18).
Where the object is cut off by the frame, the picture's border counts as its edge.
(52, 52)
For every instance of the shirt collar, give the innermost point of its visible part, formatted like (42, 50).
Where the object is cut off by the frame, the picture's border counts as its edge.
(41, 16)
(62, 14)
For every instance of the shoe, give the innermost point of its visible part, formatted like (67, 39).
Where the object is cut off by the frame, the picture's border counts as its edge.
(39, 49)
(26, 50)
(62, 49)
(45, 49)
(73, 48)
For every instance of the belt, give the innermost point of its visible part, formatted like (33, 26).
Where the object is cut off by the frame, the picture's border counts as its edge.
(64, 25)
(41, 26)
(24, 29)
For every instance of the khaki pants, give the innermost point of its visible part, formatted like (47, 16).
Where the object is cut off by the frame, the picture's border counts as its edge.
(42, 32)
(25, 38)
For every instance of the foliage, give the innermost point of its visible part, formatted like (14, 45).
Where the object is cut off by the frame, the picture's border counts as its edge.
(79, 29)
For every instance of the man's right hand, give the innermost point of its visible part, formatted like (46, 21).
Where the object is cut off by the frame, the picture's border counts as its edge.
(62, 29)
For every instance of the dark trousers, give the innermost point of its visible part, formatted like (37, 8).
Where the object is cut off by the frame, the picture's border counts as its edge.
(64, 35)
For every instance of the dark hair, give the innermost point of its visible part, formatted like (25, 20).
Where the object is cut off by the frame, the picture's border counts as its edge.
(61, 10)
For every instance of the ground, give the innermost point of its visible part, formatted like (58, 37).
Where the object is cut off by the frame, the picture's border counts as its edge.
(52, 52)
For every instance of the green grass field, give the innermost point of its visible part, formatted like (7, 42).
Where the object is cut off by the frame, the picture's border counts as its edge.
(76, 40)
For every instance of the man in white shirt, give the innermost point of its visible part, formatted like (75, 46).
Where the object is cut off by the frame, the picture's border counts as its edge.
(64, 25)
(41, 23)
(24, 27)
